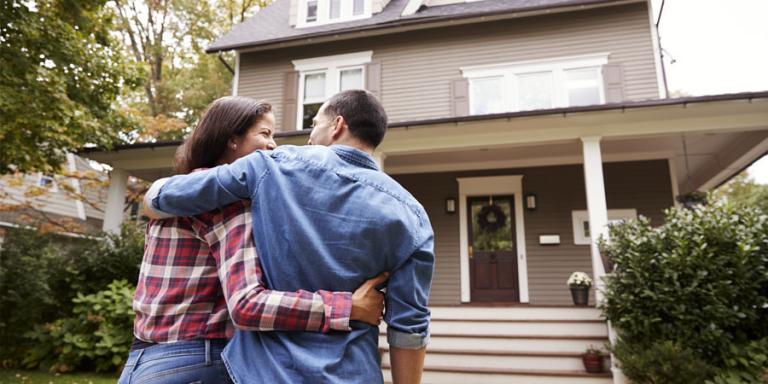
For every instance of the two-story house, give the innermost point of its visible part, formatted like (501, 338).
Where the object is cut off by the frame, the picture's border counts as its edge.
(523, 126)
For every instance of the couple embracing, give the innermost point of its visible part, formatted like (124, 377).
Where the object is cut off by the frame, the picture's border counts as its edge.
(262, 264)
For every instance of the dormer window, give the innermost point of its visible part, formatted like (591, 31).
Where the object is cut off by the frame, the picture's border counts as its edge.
(319, 12)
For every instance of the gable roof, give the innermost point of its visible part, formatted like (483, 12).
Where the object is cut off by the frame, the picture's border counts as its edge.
(272, 24)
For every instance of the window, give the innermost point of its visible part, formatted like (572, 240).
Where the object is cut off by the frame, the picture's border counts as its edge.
(543, 84)
(322, 77)
(48, 182)
(319, 12)
(581, 235)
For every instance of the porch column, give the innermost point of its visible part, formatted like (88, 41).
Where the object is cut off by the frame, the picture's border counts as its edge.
(596, 206)
(113, 214)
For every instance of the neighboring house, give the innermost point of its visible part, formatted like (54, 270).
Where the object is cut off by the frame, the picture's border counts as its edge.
(523, 126)
(59, 203)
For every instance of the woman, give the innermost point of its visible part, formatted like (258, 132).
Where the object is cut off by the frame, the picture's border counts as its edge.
(200, 275)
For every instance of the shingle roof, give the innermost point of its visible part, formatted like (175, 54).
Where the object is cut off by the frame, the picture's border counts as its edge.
(272, 24)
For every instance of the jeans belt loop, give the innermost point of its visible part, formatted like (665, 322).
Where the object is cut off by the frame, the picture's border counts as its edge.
(208, 359)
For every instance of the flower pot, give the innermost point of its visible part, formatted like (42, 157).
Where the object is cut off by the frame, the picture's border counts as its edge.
(593, 363)
(580, 296)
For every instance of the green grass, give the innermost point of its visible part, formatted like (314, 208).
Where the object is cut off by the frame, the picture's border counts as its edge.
(15, 376)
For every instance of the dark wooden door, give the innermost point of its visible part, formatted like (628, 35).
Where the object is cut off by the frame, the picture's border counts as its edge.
(492, 249)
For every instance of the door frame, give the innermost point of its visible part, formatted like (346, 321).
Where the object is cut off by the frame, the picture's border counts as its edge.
(483, 186)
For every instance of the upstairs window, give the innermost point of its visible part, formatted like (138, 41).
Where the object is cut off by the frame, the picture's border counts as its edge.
(47, 182)
(319, 12)
(322, 77)
(531, 85)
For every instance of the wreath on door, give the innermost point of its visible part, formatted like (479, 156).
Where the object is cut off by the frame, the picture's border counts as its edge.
(491, 218)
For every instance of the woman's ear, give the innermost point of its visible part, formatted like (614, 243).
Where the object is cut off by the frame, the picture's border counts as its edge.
(232, 143)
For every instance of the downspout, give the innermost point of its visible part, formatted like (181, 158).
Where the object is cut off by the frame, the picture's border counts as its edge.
(229, 68)
(661, 51)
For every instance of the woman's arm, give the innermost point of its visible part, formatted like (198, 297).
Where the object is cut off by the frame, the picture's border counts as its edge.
(254, 307)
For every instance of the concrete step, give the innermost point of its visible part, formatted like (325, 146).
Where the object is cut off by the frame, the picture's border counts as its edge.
(595, 328)
(516, 313)
(540, 361)
(528, 343)
(460, 375)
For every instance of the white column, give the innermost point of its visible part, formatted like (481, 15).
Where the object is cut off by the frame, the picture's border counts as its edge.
(113, 214)
(598, 227)
(596, 206)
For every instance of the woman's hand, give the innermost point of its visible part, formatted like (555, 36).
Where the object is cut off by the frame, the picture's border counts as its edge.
(368, 302)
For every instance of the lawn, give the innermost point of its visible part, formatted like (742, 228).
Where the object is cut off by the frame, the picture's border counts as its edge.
(14, 376)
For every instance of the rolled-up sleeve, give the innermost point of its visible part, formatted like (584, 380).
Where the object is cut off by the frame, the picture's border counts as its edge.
(407, 296)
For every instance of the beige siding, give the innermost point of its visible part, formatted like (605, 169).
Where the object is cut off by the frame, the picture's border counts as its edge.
(418, 67)
(644, 186)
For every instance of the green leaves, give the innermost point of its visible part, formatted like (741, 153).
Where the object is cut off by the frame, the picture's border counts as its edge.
(60, 77)
(700, 281)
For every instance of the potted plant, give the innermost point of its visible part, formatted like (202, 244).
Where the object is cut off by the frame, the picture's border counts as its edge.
(593, 360)
(579, 282)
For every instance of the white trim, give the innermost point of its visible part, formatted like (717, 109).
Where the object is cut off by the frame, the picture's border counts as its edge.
(493, 185)
(578, 218)
(522, 163)
(412, 7)
(331, 66)
(76, 185)
(672, 161)
(113, 211)
(656, 51)
(555, 68)
(236, 77)
(324, 62)
(323, 13)
(596, 207)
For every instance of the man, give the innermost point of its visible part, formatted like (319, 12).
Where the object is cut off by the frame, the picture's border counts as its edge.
(326, 218)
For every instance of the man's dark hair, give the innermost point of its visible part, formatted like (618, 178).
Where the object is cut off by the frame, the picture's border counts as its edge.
(363, 113)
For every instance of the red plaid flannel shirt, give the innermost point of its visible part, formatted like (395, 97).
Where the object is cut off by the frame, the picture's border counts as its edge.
(201, 274)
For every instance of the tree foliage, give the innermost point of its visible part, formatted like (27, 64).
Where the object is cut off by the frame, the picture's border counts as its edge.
(61, 74)
(742, 189)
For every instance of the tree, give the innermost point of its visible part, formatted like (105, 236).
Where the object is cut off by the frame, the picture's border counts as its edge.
(61, 75)
(742, 189)
(167, 38)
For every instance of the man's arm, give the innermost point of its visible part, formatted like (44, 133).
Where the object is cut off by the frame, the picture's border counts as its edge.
(254, 307)
(407, 315)
(203, 191)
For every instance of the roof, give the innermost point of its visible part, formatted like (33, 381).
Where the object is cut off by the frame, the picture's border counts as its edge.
(272, 24)
(684, 101)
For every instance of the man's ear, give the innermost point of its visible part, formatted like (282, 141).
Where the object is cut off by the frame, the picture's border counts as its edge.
(339, 128)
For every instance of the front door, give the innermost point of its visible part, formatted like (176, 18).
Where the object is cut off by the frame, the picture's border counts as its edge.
(492, 249)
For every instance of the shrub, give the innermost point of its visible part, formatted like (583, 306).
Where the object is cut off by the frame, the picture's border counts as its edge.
(745, 365)
(662, 362)
(699, 281)
(97, 337)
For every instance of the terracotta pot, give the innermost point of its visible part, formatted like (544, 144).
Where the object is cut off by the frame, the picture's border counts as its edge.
(580, 296)
(593, 363)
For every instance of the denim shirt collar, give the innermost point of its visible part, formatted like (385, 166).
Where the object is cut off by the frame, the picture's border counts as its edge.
(355, 156)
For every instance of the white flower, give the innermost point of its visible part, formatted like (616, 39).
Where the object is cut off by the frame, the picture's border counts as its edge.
(579, 279)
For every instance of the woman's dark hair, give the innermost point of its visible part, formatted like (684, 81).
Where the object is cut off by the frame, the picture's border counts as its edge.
(226, 117)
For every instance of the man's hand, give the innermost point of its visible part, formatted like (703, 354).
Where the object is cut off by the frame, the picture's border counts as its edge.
(368, 302)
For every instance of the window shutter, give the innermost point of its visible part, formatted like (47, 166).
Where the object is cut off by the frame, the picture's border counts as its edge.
(613, 80)
(290, 100)
(460, 97)
(373, 78)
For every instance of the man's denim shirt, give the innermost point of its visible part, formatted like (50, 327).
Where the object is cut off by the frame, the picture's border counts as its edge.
(323, 218)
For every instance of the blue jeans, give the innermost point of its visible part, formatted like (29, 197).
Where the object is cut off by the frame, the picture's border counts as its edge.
(182, 362)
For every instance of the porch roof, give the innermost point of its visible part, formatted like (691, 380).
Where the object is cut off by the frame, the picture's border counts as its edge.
(704, 115)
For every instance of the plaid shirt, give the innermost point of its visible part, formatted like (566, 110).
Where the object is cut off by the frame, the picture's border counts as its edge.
(201, 274)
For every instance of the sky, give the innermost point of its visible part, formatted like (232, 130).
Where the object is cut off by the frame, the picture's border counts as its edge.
(718, 46)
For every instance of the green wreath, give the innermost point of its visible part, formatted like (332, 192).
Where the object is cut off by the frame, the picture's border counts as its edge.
(491, 218)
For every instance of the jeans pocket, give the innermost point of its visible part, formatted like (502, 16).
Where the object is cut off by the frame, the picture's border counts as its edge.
(130, 365)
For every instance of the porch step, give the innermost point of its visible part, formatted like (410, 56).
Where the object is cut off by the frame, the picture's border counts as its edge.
(509, 345)
(453, 375)
(516, 313)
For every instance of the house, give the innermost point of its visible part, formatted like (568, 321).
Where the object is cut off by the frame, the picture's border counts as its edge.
(523, 126)
(70, 203)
